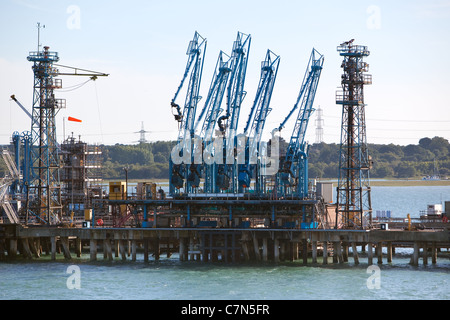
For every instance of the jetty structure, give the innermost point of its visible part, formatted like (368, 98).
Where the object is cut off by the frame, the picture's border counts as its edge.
(232, 196)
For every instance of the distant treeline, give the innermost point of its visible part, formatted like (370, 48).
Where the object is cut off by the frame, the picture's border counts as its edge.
(151, 160)
(389, 161)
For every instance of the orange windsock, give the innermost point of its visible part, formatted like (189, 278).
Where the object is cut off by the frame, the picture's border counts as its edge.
(74, 119)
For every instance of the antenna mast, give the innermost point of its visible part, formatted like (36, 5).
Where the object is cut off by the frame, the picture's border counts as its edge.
(39, 27)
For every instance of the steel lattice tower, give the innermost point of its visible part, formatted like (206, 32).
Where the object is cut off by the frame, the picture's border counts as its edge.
(44, 201)
(319, 125)
(354, 209)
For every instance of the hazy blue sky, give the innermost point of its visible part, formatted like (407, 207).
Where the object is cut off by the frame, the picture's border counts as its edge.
(142, 45)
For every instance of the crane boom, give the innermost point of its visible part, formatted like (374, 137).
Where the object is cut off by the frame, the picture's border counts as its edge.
(179, 171)
(215, 97)
(226, 172)
(294, 166)
(306, 108)
(236, 93)
(258, 115)
(196, 52)
(212, 110)
(13, 97)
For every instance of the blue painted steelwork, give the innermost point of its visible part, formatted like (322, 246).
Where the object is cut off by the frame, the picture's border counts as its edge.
(255, 124)
(25, 139)
(16, 185)
(292, 178)
(45, 190)
(212, 109)
(226, 173)
(26, 169)
(179, 169)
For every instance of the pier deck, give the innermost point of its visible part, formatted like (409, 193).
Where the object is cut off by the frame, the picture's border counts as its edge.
(220, 244)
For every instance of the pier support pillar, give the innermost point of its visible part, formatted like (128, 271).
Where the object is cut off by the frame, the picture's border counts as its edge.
(26, 249)
(65, 246)
(265, 249)
(340, 252)
(345, 251)
(305, 251)
(433, 253)
(191, 249)
(256, 248)
(389, 252)
(355, 253)
(107, 249)
(12, 253)
(35, 246)
(369, 253)
(78, 247)
(379, 252)
(335, 256)
(2, 250)
(133, 250)
(182, 249)
(295, 250)
(157, 250)
(282, 250)
(325, 252)
(53, 247)
(245, 247)
(425, 253)
(276, 250)
(146, 250)
(122, 250)
(92, 249)
(314, 252)
(415, 256)
(116, 248)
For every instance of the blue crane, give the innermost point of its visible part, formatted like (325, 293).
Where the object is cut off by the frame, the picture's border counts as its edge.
(226, 171)
(182, 154)
(293, 172)
(25, 139)
(256, 121)
(212, 109)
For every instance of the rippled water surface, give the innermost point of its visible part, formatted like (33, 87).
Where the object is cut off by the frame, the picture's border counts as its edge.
(170, 279)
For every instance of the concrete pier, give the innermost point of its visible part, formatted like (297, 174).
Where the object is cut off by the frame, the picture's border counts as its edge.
(228, 245)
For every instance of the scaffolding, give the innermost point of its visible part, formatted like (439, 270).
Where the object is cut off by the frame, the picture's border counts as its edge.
(81, 176)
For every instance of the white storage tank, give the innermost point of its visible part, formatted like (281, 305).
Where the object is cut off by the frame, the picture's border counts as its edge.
(434, 209)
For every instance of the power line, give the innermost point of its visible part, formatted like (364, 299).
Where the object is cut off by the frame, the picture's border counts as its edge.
(399, 120)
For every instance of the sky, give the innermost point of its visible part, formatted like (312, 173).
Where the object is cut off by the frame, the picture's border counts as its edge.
(142, 45)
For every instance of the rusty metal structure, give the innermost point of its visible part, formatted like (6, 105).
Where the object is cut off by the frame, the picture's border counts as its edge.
(354, 209)
(81, 176)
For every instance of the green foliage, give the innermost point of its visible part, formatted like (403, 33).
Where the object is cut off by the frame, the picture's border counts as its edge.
(144, 161)
(151, 160)
(389, 161)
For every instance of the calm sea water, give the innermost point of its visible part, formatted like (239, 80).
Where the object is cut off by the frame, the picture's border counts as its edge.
(169, 279)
